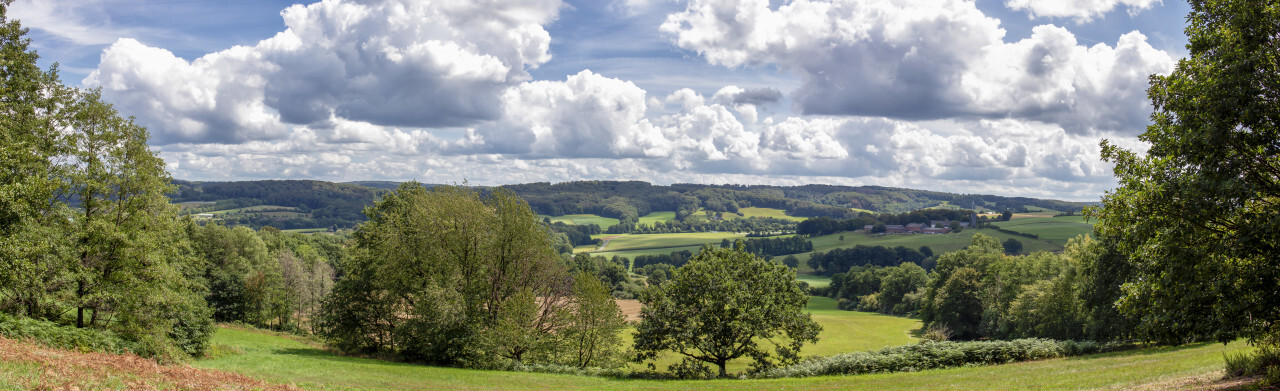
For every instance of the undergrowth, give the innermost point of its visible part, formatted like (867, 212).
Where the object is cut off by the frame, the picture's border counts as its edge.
(64, 337)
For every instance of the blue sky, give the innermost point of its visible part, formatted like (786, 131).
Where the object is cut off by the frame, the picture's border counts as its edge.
(1004, 97)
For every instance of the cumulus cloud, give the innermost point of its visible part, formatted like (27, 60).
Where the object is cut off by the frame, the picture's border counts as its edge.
(926, 59)
(389, 63)
(1082, 11)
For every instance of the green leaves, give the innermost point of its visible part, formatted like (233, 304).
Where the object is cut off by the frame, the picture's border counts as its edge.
(1193, 215)
(721, 306)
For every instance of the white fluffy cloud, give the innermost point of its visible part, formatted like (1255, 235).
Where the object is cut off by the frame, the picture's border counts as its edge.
(924, 59)
(1081, 10)
(394, 63)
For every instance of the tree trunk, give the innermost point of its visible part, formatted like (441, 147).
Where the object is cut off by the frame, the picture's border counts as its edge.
(722, 364)
(80, 306)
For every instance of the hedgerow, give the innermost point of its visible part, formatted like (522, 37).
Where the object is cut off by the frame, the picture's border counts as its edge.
(936, 355)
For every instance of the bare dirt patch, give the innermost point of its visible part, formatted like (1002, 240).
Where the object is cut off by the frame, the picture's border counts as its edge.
(630, 308)
(69, 370)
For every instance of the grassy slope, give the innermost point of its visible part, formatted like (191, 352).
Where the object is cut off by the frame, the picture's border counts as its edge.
(763, 212)
(1055, 229)
(584, 219)
(285, 360)
(842, 332)
(652, 244)
(657, 217)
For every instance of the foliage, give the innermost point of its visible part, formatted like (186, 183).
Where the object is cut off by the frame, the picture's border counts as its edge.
(85, 226)
(1196, 216)
(720, 306)
(841, 260)
(63, 337)
(1012, 246)
(450, 277)
(593, 333)
(935, 355)
(324, 204)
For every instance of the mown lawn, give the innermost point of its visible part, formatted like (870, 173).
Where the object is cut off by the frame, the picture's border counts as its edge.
(285, 360)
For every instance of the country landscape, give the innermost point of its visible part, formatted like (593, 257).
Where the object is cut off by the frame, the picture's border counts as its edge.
(399, 195)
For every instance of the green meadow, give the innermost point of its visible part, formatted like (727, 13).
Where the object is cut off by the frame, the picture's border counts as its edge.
(1054, 229)
(583, 219)
(288, 360)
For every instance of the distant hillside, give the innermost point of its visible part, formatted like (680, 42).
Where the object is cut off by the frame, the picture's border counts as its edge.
(318, 204)
(329, 204)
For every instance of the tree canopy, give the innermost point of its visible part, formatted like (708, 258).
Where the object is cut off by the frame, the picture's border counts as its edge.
(1197, 215)
(722, 305)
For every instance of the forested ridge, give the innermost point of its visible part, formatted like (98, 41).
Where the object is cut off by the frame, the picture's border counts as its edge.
(330, 204)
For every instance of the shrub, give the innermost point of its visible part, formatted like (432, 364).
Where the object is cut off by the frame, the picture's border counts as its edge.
(936, 355)
(63, 337)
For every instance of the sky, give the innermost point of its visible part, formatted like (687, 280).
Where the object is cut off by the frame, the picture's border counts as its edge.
(1006, 97)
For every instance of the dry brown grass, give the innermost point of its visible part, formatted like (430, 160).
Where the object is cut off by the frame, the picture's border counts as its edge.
(68, 370)
(630, 308)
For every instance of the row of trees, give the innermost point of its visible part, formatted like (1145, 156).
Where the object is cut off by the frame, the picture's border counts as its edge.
(85, 226)
(824, 226)
(841, 260)
(772, 246)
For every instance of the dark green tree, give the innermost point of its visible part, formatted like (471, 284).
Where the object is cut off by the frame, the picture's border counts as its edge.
(722, 305)
(1012, 246)
(1197, 214)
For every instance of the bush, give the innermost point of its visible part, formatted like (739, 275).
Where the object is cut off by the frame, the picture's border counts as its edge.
(936, 355)
(63, 337)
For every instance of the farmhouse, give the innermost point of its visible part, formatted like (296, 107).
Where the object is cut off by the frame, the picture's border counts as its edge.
(915, 227)
(932, 231)
(894, 229)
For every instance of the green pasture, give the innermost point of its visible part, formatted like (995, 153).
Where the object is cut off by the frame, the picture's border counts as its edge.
(1055, 229)
(658, 217)
(842, 332)
(814, 280)
(744, 213)
(289, 361)
(584, 219)
(664, 242)
(256, 208)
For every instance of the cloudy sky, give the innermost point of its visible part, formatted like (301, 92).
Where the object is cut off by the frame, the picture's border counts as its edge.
(1006, 97)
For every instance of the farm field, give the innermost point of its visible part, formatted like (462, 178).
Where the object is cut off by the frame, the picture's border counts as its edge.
(652, 244)
(289, 361)
(842, 332)
(814, 280)
(1049, 228)
(259, 209)
(763, 212)
(657, 217)
(583, 219)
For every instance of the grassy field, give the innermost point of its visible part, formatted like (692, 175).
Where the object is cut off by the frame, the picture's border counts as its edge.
(286, 360)
(258, 208)
(657, 217)
(584, 219)
(762, 212)
(653, 244)
(814, 280)
(842, 332)
(1055, 229)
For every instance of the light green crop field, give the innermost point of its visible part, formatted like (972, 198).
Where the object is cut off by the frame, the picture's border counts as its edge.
(656, 217)
(763, 212)
(664, 241)
(288, 361)
(584, 219)
(256, 208)
(814, 280)
(1055, 229)
(842, 332)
